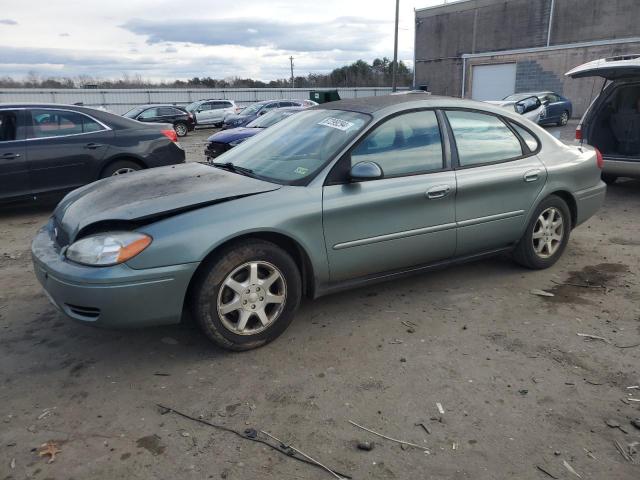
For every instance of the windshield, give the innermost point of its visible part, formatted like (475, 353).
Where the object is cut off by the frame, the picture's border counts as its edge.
(192, 106)
(516, 97)
(134, 112)
(251, 109)
(270, 118)
(298, 147)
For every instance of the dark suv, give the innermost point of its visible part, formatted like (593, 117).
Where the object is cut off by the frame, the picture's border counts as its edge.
(181, 120)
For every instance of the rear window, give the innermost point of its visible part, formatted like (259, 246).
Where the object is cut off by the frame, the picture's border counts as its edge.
(482, 138)
(8, 126)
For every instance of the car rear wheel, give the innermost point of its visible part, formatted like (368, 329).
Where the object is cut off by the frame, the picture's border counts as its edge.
(546, 235)
(247, 296)
(564, 119)
(181, 129)
(119, 167)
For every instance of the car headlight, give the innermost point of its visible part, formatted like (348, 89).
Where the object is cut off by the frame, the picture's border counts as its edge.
(237, 142)
(109, 248)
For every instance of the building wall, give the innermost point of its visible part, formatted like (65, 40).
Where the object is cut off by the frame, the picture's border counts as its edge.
(545, 71)
(445, 33)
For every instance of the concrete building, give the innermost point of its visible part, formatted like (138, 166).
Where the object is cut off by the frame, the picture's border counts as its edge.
(487, 49)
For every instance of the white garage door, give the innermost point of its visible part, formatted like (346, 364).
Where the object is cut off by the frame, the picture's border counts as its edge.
(493, 82)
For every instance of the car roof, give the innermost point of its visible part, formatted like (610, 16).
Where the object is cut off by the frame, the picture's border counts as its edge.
(373, 104)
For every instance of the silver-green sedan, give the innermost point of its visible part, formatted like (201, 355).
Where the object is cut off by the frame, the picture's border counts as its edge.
(337, 196)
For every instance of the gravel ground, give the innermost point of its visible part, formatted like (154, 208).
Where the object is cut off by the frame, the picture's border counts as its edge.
(521, 391)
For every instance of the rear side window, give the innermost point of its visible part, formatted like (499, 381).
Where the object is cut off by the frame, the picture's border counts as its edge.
(218, 105)
(529, 139)
(482, 138)
(8, 126)
(168, 111)
(56, 123)
(404, 145)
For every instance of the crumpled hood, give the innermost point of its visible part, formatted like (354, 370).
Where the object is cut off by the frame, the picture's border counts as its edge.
(233, 134)
(152, 193)
(501, 103)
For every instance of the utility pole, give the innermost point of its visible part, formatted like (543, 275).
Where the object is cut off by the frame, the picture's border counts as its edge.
(292, 80)
(394, 77)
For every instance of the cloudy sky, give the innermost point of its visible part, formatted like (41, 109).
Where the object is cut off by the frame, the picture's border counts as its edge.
(165, 39)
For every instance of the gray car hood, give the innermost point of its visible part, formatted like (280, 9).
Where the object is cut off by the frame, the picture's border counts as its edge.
(148, 194)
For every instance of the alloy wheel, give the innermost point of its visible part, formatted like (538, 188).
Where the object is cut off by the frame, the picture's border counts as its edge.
(181, 130)
(548, 233)
(251, 298)
(564, 119)
(122, 171)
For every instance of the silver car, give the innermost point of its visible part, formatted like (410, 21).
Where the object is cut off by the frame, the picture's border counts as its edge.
(211, 112)
(342, 194)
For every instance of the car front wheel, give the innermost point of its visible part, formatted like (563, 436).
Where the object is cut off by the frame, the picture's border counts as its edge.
(247, 296)
(546, 235)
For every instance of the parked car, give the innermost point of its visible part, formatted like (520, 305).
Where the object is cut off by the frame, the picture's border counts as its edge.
(211, 112)
(612, 122)
(529, 106)
(220, 142)
(47, 148)
(340, 195)
(255, 110)
(181, 120)
(554, 109)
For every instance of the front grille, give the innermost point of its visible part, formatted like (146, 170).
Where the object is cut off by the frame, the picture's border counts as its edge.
(215, 149)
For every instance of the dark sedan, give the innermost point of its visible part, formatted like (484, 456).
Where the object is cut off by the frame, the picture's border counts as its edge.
(182, 121)
(50, 147)
(220, 142)
(256, 110)
(557, 109)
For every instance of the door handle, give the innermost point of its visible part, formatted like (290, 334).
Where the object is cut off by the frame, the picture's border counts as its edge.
(10, 156)
(92, 146)
(438, 191)
(532, 175)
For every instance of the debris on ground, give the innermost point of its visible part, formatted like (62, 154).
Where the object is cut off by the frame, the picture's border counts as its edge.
(49, 449)
(611, 423)
(570, 468)
(428, 430)
(45, 413)
(630, 452)
(546, 472)
(636, 422)
(593, 337)
(366, 446)
(13, 464)
(541, 293)
(388, 438)
(440, 409)
(252, 435)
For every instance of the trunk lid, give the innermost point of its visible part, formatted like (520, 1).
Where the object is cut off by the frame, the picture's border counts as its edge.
(612, 68)
(149, 194)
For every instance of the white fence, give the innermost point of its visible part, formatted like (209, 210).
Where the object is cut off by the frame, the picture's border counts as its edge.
(120, 100)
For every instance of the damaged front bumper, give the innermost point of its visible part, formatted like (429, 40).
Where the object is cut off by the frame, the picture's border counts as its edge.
(117, 296)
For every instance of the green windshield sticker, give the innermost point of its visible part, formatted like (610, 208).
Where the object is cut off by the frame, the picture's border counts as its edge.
(336, 123)
(301, 170)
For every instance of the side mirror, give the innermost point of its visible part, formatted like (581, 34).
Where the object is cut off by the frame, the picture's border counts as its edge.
(139, 118)
(363, 171)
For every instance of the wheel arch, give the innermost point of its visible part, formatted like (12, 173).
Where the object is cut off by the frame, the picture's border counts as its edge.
(287, 243)
(570, 200)
(119, 158)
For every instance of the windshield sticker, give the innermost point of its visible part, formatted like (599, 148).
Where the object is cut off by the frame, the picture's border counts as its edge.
(301, 170)
(336, 123)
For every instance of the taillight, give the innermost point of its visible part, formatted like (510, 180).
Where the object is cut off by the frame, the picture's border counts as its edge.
(599, 159)
(579, 132)
(171, 135)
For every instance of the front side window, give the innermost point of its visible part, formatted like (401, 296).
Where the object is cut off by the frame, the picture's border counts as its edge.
(295, 149)
(8, 126)
(407, 144)
(482, 138)
(56, 123)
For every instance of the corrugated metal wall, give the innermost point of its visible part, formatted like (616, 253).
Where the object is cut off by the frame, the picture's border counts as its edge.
(120, 100)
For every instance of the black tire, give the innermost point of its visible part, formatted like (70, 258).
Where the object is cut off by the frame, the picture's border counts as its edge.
(564, 119)
(209, 282)
(525, 253)
(609, 179)
(181, 129)
(120, 167)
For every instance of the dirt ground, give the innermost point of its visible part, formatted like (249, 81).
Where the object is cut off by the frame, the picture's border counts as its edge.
(521, 391)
